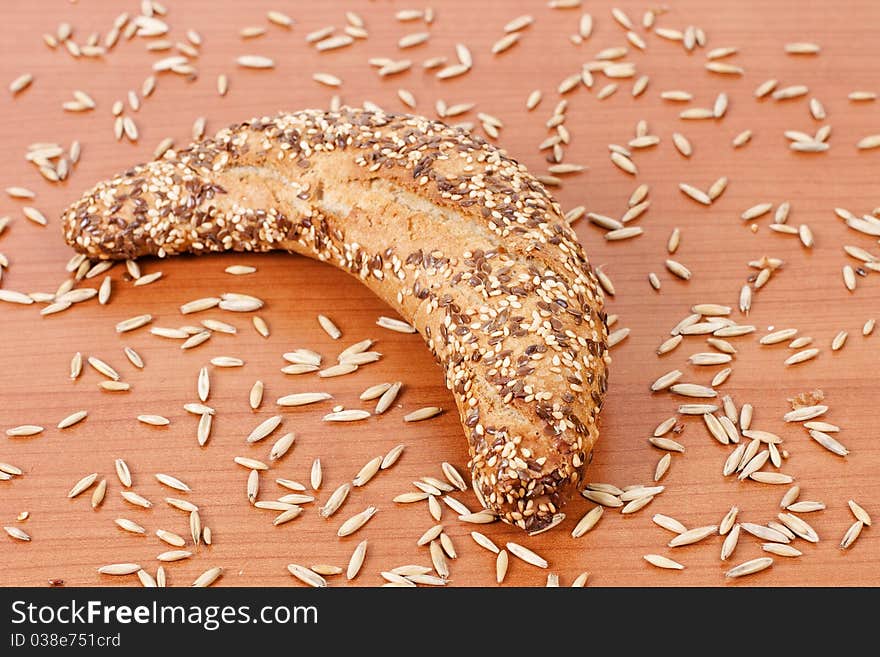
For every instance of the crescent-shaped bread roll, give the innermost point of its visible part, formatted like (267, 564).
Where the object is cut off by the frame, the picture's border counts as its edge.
(457, 237)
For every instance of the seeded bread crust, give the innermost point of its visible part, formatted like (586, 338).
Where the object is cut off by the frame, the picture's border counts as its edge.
(458, 238)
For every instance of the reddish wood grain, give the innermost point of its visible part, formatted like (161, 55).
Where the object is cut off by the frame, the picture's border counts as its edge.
(70, 540)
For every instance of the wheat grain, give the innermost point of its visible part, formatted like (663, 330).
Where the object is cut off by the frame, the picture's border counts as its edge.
(697, 409)
(130, 526)
(585, 524)
(624, 163)
(692, 390)
(203, 431)
(253, 489)
(411, 497)
(742, 138)
(694, 535)
(871, 141)
(637, 504)
(831, 444)
(172, 482)
(119, 569)
(730, 542)
(802, 48)
(306, 575)
(623, 233)
(326, 569)
(335, 501)
(170, 538)
(676, 95)
(296, 498)
(781, 549)
(286, 515)
(430, 535)
(154, 420)
(721, 377)
(793, 91)
(805, 413)
(696, 194)
(255, 62)
(729, 427)
(484, 541)
(452, 71)
(666, 444)
(668, 523)
(250, 463)
(199, 305)
(801, 356)
(806, 506)
(72, 419)
(17, 533)
(731, 464)
(862, 95)
(501, 565)
(426, 487)
(859, 512)
(728, 521)
(799, 526)
(505, 43)
(809, 146)
(279, 18)
(602, 497)
(436, 512)
(10, 296)
(10, 470)
(240, 303)
(754, 464)
(750, 567)
(138, 500)
(616, 337)
(356, 561)
(355, 522)
(764, 533)
(303, 398)
(709, 358)
(666, 380)
(662, 562)
(290, 484)
(640, 85)
(422, 414)
(756, 211)
(349, 415)
(367, 472)
(133, 322)
(527, 555)
(264, 429)
(99, 493)
(778, 336)
(716, 429)
(827, 427)
(697, 113)
(374, 391)
(203, 386)
(147, 580)
(391, 457)
(479, 518)
(638, 491)
(206, 578)
(82, 485)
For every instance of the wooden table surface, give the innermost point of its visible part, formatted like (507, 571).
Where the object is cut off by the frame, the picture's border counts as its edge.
(70, 539)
